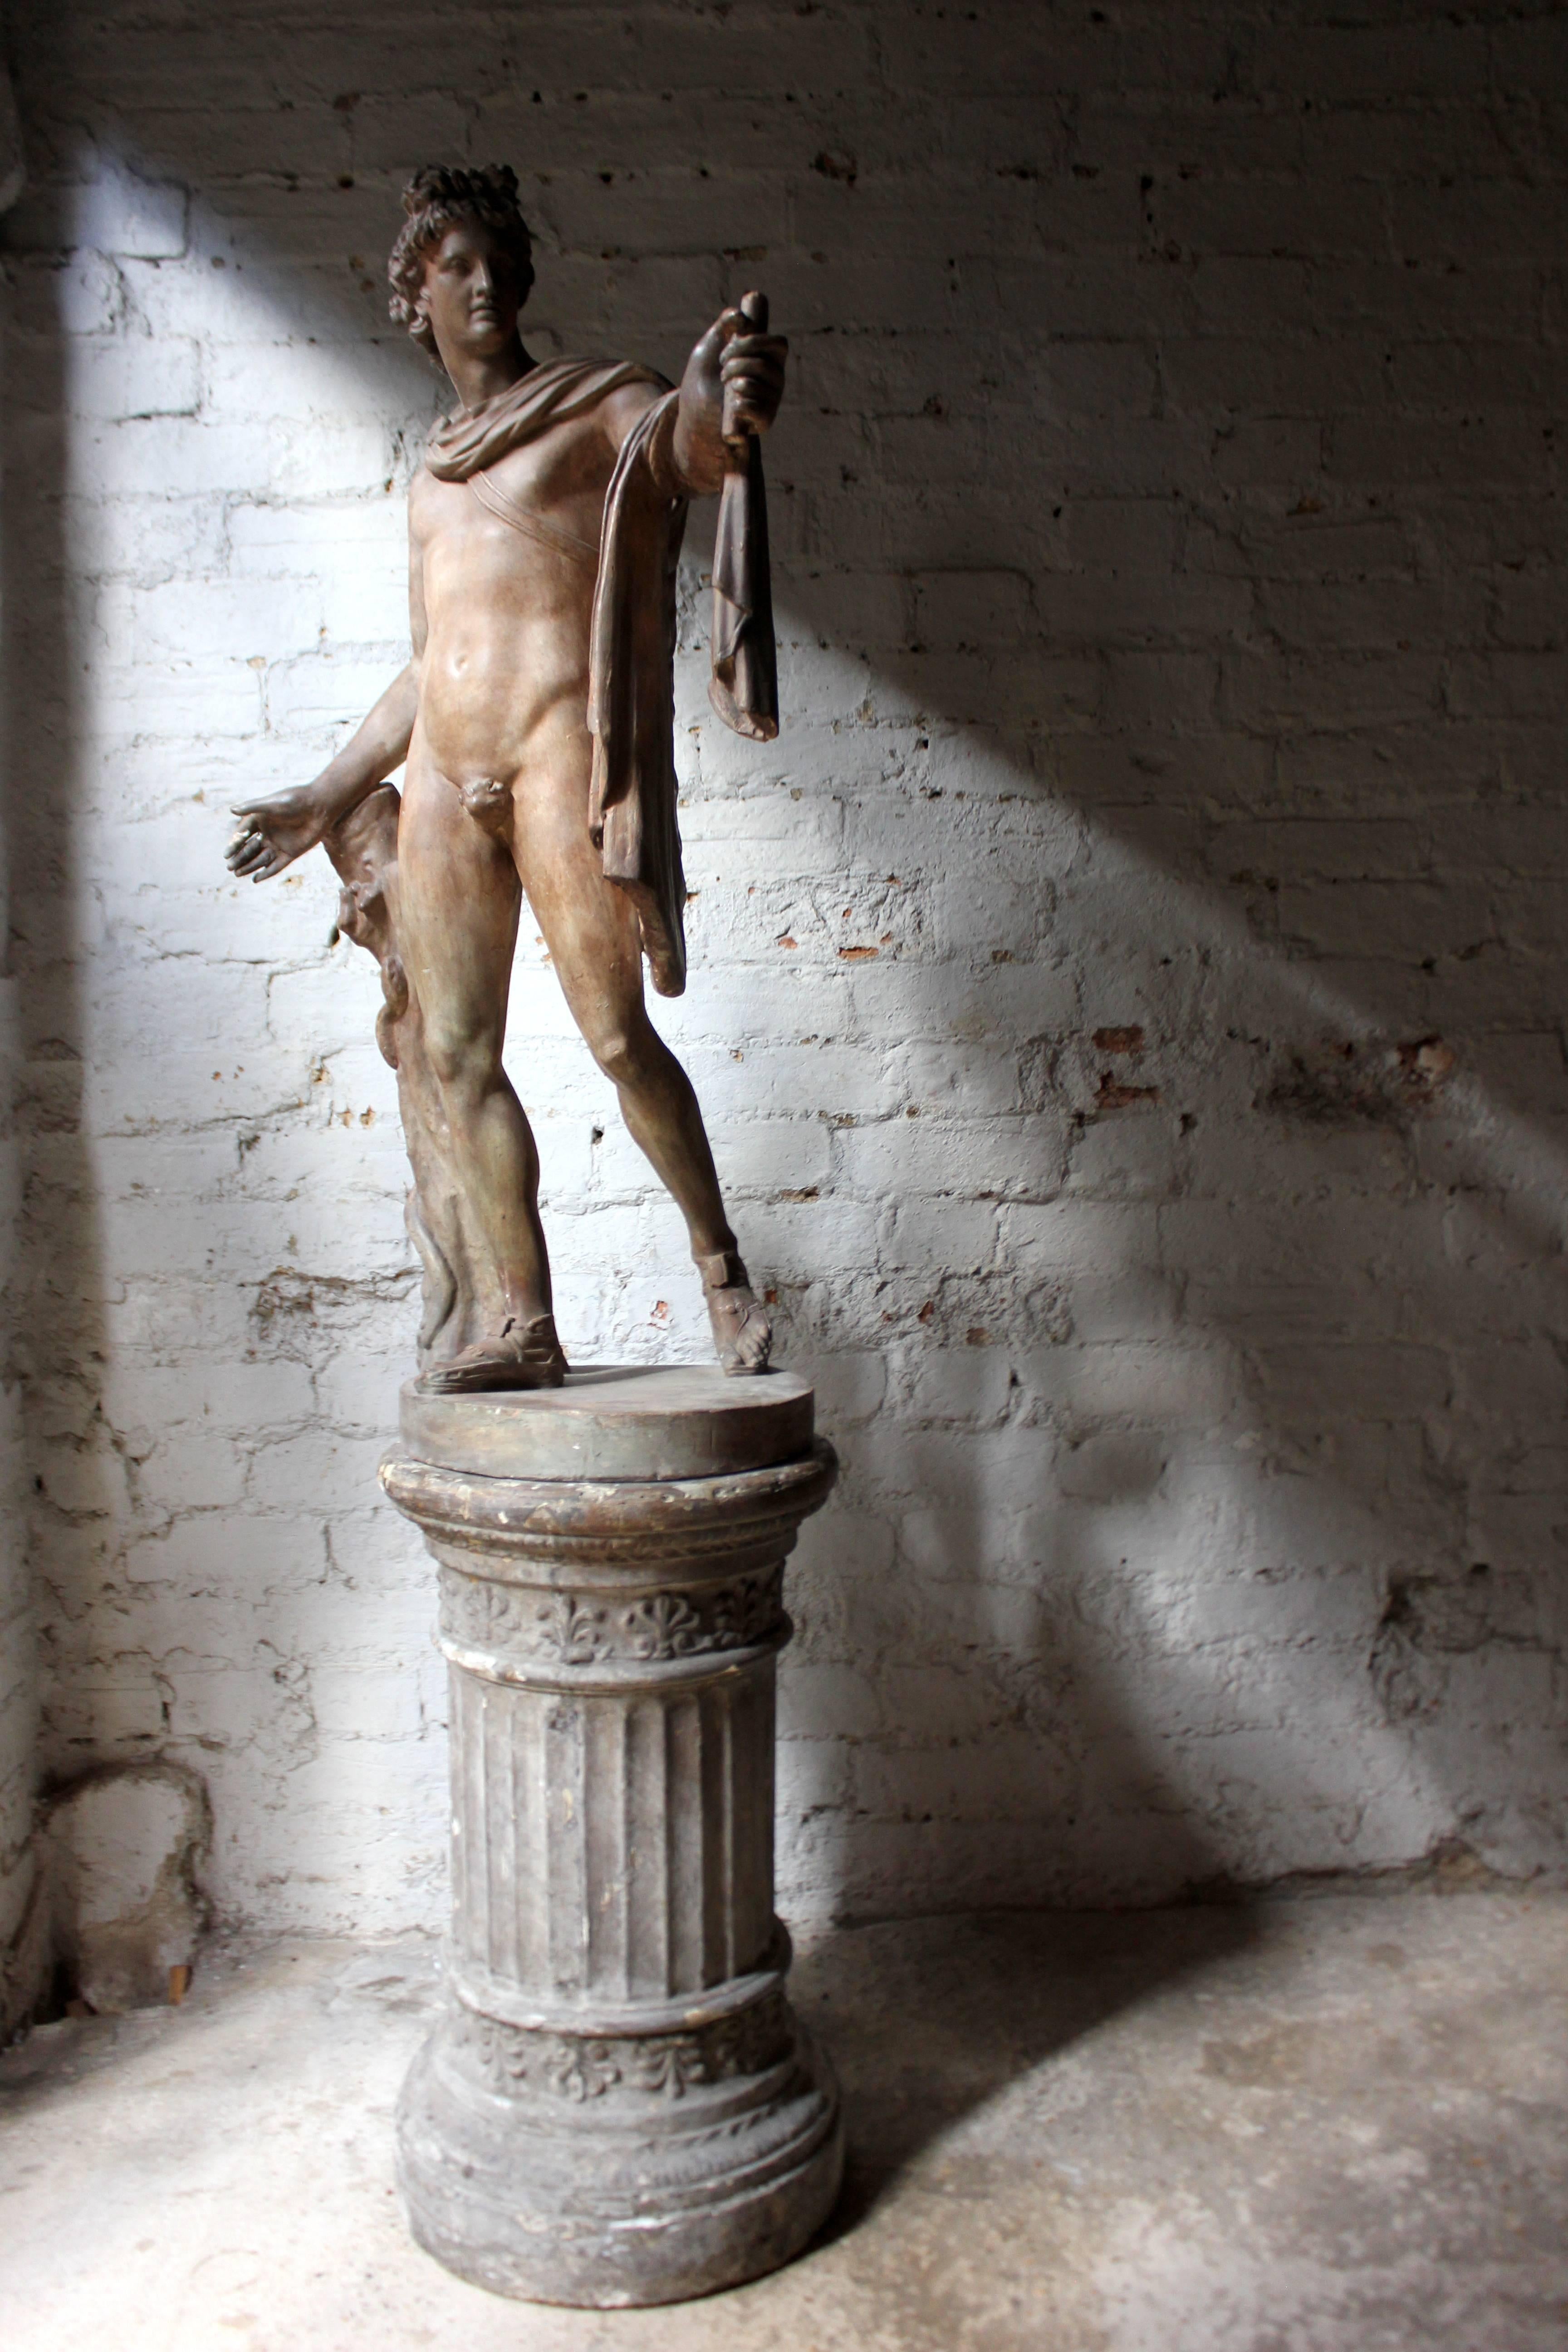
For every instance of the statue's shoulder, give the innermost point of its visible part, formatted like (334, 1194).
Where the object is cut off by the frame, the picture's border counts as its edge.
(637, 389)
(560, 392)
(608, 397)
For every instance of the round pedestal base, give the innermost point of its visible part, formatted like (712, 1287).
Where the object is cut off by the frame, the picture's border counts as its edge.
(618, 2105)
(605, 2172)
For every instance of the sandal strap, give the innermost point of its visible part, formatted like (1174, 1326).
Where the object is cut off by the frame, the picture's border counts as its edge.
(519, 1343)
(725, 1270)
(537, 1338)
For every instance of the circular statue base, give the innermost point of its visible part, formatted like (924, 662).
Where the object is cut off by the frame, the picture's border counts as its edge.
(618, 2105)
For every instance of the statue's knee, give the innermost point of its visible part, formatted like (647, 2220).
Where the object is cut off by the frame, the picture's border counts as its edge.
(619, 1055)
(462, 1064)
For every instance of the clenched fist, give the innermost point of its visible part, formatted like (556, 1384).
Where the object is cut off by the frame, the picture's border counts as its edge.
(733, 386)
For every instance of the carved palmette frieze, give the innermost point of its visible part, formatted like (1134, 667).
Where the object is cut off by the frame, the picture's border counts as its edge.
(515, 2059)
(566, 1629)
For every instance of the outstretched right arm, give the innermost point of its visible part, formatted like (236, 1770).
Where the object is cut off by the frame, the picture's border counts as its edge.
(276, 830)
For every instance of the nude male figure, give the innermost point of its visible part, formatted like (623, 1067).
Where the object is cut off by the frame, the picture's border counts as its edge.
(493, 718)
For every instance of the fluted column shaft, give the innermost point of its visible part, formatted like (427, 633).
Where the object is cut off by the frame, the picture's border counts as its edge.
(618, 2066)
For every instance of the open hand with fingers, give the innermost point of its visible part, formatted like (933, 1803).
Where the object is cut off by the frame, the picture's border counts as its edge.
(276, 830)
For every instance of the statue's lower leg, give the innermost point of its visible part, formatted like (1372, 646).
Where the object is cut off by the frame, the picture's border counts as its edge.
(509, 1329)
(660, 1108)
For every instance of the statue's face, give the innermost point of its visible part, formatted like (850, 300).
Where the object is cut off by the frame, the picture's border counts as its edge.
(471, 291)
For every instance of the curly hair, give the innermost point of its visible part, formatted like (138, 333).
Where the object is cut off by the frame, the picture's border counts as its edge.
(436, 200)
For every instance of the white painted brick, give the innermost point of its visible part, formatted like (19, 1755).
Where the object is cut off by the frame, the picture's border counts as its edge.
(286, 378)
(260, 619)
(770, 1155)
(312, 540)
(149, 457)
(850, 1386)
(826, 1703)
(141, 1402)
(353, 1703)
(959, 1237)
(328, 688)
(219, 1553)
(313, 460)
(147, 538)
(1092, 637)
(172, 693)
(964, 1384)
(117, 212)
(311, 1471)
(203, 1471)
(84, 291)
(134, 376)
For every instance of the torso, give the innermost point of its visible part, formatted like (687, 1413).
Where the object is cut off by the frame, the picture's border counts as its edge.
(503, 678)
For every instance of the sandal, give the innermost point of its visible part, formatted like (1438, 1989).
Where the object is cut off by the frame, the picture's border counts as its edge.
(526, 1356)
(742, 1333)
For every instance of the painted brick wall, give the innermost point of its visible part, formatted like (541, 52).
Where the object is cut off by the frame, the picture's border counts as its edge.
(1128, 998)
(20, 1913)
(18, 1663)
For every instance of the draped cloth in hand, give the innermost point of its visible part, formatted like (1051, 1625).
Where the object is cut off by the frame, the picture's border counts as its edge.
(631, 696)
(744, 686)
(631, 706)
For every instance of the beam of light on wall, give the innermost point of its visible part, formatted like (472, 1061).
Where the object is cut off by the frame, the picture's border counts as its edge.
(950, 1029)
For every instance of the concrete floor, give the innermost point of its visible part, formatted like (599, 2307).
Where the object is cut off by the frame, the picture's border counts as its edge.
(1332, 2125)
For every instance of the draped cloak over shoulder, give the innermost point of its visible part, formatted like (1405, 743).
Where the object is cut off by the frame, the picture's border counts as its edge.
(631, 706)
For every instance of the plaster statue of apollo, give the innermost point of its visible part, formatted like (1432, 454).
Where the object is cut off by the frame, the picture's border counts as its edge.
(535, 719)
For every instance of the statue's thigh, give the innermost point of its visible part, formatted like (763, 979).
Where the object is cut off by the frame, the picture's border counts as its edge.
(457, 907)
(588, 924)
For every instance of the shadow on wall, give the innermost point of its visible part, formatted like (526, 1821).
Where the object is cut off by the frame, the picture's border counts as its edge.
(52, 1288)
(1141, 953)
(23, 1924)
(1247, 1507)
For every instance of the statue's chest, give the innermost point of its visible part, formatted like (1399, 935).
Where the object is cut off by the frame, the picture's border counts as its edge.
(493, 528)
(544, 473)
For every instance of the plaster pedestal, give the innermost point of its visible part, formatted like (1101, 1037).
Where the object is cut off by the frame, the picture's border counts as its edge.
(617, 2106)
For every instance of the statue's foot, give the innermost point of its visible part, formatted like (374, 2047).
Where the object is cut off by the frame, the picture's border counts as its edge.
(526, 1356)
(742, 1335)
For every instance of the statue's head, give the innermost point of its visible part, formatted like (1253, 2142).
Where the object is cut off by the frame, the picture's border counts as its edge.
(463, 263)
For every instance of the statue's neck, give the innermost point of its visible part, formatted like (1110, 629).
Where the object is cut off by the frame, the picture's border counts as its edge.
(476, 381)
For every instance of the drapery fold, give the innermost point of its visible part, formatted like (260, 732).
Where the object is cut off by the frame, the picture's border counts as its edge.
(631, 696)
(546, 395)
